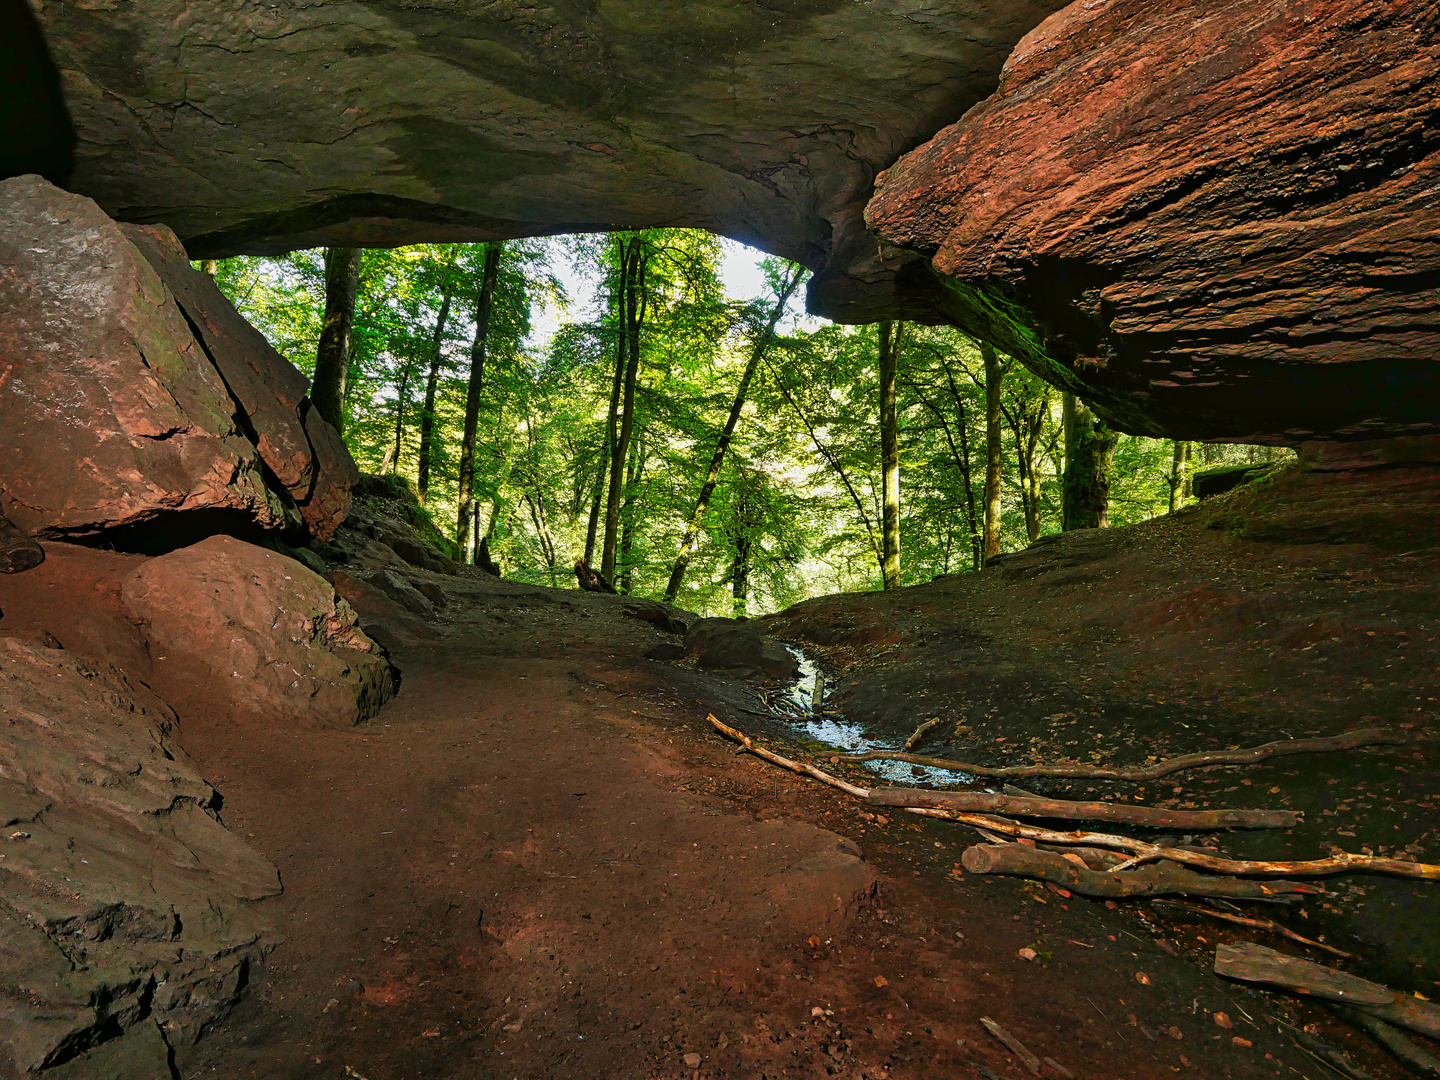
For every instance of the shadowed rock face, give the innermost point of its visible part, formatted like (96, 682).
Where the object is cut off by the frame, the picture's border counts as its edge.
(1214, 220)
(261, 128)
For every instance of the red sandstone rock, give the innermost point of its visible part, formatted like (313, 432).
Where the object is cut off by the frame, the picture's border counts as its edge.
(125, 897)
(229, 622)
(1214, 220)
(304, 452)
(113, 414)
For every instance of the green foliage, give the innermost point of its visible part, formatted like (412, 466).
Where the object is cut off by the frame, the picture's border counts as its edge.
(797, 509)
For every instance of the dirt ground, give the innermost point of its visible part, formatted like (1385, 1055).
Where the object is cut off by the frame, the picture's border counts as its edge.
(541, 861)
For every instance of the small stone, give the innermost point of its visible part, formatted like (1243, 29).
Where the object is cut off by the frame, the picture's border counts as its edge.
(1238, 1041)
(881, 981)
(512, 1028)
(1142, 978)
(1027, 954)
(692, 1061)
(1223, 1020)
(817, 1011)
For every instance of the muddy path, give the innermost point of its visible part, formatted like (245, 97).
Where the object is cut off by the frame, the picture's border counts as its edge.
(541, 861)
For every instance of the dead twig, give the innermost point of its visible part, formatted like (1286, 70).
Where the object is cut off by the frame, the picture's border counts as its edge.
(1127, 813)
(1015, 1046)
(784, 762)
(1349, 740)
(920, 731)
(1258, 924)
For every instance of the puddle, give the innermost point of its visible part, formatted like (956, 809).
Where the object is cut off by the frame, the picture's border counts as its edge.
(795, 705)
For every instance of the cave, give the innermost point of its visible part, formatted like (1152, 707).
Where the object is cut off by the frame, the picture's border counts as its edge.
(296, 783)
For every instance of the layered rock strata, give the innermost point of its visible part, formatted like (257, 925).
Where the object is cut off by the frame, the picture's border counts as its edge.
(1211, 220)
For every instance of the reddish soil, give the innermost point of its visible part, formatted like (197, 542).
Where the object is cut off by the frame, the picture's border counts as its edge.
(540, 861)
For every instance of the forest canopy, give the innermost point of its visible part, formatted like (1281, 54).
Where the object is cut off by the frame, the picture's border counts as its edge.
(721, 450)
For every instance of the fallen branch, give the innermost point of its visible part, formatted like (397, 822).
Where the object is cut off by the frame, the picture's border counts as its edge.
(1255, 963)
(1015, 1046)
(1411, 1054)
(1349, 740)
(1338, 862)
(1035, 807)
(1326, 1054)
(1258, 924)
(920, 731)
(786, 763)
(1018, 860)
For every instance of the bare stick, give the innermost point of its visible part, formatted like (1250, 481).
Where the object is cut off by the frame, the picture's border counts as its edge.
(1338, 862)
(786, 763)
(1034, 806)
(1017, 860)
(920, 731)
(1258, 924)
(1350, 740)
(817, 694)
(1015, 1045)
(1424, 1063)
(1255, 963)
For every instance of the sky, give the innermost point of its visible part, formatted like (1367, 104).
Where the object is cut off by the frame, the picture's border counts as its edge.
(739, 269)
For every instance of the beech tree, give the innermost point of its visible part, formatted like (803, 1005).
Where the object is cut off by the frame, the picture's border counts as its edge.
(332, 352)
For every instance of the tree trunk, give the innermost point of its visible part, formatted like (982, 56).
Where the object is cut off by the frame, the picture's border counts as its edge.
(717, 459)
(432, 383)
(465, 519)
(391, 461)
(1180, 475)
(889, 455)
(635, 303)
(332, 355)
(740, 577)
(612, 417)
(994, 375)
(1089, 448)
(633, 471)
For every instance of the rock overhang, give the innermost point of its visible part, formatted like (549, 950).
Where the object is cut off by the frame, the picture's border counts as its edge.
(256, 128)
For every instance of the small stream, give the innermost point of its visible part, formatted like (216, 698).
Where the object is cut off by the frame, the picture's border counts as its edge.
(846, 736)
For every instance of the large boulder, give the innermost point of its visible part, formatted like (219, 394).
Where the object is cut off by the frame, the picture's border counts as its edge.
(1211, 220)
(235, 624)
(740, 647)
(123, 899)
(113, 415)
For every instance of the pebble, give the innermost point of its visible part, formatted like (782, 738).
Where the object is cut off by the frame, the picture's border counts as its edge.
(692, 1061)
(1223, 1020)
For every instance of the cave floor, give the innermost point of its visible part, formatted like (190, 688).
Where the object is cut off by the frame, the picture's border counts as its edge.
(540, 860)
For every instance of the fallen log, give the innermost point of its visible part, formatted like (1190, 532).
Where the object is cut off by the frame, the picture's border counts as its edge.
(1036, 807)
(1018, 860)
(1258, 924)
(18, 550)
(1255, 963)
(1349, 740)
(1400, 1047)
(1140, 851)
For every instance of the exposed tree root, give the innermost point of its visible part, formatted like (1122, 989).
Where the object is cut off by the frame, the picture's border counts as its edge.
(1036, 807)
(1020, 860)
(1255, 963)
(1349, 740)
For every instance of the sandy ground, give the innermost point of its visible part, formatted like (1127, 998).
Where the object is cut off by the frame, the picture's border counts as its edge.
(541, 861)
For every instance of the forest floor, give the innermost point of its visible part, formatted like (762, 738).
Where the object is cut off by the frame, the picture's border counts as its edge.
(540, 860)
